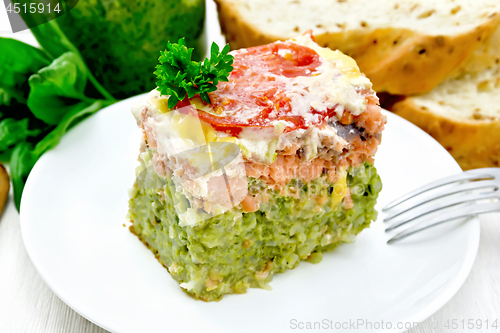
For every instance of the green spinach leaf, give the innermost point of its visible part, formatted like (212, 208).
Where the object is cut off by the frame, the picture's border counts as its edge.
(52, 39)
(24, 156)
(17, 62)
(36, 112)
(13, 131)
(70, 119)
(58, 89)
(21, 163)
(55, 42)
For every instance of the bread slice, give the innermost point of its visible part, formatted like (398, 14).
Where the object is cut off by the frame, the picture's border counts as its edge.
(404, 47)
(463, 114)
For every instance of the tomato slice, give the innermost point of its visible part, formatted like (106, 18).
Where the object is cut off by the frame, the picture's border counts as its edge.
(253, 97)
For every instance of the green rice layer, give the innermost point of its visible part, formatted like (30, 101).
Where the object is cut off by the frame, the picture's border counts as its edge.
(231, 252)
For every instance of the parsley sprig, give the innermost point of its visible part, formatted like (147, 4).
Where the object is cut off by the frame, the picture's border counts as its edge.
(179, 76)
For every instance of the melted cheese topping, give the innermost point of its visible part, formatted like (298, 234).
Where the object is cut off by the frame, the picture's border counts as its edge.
(337, 82)
(333, 82)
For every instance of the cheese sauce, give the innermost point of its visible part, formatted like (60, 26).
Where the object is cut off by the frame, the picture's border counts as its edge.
(294, 84)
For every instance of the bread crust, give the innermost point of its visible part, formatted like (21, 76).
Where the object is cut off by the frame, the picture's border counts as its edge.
(397, 61)
(239, 33)
(473, 143)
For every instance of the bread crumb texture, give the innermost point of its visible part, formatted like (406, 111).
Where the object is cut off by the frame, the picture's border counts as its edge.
(397, 44)
(463, 114)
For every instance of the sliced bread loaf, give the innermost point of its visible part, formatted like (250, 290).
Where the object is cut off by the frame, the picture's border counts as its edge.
(463, 114)
(404, 47)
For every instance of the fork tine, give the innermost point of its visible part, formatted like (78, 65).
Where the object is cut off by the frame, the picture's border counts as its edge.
(448, 203)
(462, 212)
(470, 175)
(455, 190)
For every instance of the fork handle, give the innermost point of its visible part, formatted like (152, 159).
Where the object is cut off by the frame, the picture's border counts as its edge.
(475, 174)
(465, 211)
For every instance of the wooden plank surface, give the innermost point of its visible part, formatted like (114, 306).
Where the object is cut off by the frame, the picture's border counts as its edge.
(28, 305)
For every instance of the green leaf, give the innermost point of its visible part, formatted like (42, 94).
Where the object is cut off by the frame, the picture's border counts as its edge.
(17, 62)
(69, 120)
(53, 40)
(58, 89)
(24, 156)
(21, 163)
(178, 76)
(13, 131)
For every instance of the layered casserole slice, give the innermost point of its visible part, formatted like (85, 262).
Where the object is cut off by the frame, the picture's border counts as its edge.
(276, 169)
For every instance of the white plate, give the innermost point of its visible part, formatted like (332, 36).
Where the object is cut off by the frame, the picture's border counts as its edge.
(75, 204)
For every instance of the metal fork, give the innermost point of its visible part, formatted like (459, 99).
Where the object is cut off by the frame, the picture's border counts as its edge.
(463, 195)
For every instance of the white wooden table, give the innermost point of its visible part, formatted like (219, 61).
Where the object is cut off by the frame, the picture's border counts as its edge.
(28, 305)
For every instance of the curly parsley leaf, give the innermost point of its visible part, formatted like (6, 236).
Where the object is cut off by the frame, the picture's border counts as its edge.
(179, 76)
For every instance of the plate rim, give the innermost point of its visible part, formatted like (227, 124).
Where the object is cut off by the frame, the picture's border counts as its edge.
(443, 298)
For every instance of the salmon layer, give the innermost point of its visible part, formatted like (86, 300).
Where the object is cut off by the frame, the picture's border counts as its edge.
(290, 164)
